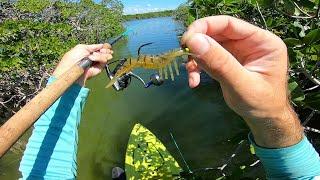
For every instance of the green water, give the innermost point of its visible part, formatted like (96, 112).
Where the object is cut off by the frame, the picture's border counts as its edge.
(206, 130)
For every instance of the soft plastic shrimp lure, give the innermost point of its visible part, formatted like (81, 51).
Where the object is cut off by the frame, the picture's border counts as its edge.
(160, 62)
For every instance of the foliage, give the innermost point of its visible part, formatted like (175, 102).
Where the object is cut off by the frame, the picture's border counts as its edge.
(183, 14)
(25, 43)
(33, 6)
(148, 15)
(296, 22)
(34, 34)
(43, 30)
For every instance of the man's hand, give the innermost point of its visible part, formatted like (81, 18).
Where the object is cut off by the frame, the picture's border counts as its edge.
(251, 66)
(99, 53)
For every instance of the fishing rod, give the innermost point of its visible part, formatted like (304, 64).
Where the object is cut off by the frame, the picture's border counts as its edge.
(21, 121)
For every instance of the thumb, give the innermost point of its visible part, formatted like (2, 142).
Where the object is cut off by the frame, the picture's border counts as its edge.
(214, 59)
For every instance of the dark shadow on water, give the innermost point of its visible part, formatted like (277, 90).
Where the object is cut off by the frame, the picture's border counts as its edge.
(50, 140)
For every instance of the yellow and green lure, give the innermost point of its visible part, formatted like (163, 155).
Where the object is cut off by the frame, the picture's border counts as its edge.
(161, 62)
(148, 158)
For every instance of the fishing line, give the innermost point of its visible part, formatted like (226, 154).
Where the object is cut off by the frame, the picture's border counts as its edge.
(113, 62)
(184, 161)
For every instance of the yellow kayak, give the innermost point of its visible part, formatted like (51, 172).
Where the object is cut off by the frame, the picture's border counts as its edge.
(148, 158)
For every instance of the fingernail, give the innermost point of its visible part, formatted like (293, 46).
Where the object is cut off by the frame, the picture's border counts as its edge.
(191, 81)
(103, 51)
(186, 35)
(199, 44)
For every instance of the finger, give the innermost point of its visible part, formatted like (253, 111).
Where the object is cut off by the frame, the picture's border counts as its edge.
(107, 46)
(100, 57)
(96, 69)
(222, 28)
(93, 47)
(103, 50)
(215, 60)
(194, 73)
(108, 51)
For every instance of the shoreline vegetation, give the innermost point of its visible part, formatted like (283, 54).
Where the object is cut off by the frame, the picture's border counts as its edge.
(148, 15)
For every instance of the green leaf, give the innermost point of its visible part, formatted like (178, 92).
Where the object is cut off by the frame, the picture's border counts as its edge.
(292, 42)
(252, 150)
(302, 30)
(312, 37)
(313, 100)
(296, 92)
(296, 11)
(289, 7)
(221, 178)
(306, 3)
(292, 86)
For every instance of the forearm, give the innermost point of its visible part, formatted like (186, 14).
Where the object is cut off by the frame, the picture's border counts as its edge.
(280, 129)
(52, 147)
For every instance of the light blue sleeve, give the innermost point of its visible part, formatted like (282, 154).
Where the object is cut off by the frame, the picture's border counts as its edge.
(300, 161)
(51, 152)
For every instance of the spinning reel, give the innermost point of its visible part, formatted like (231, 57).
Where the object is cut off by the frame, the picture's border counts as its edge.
(124, 81)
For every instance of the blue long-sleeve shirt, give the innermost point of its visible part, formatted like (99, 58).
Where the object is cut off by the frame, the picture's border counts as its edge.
(51, 152)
